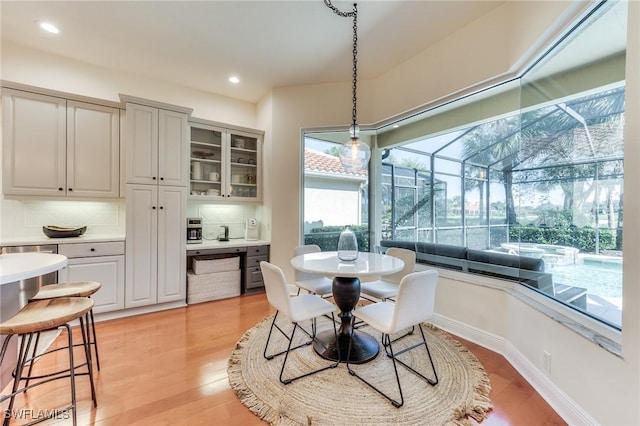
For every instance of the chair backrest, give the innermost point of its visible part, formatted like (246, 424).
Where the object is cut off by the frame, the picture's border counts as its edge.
(276, 287)
(409, 259)
(308, 248)
(415, 300)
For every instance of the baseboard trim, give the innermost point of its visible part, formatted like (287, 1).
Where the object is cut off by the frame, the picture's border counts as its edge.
(566, 408)
(105, 316)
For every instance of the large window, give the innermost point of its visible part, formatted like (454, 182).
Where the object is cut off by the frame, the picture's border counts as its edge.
(333, 197)
(531, 169)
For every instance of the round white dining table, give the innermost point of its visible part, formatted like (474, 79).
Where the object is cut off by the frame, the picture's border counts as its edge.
(21, 266)
(346, 293)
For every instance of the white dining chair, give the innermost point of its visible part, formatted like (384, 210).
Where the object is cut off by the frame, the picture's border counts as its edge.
(297, 309)
(387, 287)
(312, 283)
(414, 304)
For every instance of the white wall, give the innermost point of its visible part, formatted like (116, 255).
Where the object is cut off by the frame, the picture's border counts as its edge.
(605, 387)
(40, 69)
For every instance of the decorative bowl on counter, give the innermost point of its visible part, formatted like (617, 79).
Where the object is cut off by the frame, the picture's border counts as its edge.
(53, 231)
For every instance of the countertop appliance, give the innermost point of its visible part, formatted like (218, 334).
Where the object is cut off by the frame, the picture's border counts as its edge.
(251, 230)
(194, 230)
(224, 235)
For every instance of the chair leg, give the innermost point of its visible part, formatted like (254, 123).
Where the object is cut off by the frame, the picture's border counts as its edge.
(393, 401)
(387, 343)
(72, 374)
(23, 355)
(95, 339)
(289, 349)
(274, 325)
(86, 343)
(432, 382)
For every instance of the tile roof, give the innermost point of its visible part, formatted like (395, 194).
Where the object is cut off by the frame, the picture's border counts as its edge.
(316, 161)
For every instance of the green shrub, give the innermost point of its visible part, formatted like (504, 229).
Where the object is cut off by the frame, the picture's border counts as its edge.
(327, 237)
(580, 238)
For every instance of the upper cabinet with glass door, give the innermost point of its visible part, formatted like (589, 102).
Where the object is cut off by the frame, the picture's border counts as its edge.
(225, 164)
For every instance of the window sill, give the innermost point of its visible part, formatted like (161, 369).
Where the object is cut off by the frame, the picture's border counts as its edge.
(600, 334)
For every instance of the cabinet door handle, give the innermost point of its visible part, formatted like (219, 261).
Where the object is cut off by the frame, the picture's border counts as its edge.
(154, 178)
(70, 189)
(161, 207)
(161, 178)
(92, 249)
(60, 189)
(154, 207)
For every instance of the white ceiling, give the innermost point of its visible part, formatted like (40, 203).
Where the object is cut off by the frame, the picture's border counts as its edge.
(266, 43)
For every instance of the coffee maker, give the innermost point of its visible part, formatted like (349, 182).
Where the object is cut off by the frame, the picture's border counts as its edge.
(194, 230)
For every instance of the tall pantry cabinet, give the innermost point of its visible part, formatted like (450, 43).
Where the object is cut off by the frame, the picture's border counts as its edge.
(157, 179)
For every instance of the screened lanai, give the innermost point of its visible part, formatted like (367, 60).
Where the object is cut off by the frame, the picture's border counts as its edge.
(528, 168)
(544, 182)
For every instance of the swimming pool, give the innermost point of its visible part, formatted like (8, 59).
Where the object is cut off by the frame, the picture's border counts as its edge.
(601, 277)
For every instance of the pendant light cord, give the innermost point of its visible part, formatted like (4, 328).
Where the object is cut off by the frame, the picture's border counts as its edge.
(353, 14)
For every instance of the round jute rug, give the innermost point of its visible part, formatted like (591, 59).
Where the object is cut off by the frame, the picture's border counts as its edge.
(334, 397)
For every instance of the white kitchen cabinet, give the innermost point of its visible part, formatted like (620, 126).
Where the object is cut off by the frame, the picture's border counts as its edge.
(102, 262)
(155, 245)
(58, 147)
(157, 147)
(225, 164)
(93, 150)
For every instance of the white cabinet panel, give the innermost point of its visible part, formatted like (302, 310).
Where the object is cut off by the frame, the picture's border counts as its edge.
(156, 146)
(107, 270)
(93, 155)
(155, 245)
(142, 144)
(34, 144)
(172, 261)
(172, 148)
(141, 245)
(58, 147)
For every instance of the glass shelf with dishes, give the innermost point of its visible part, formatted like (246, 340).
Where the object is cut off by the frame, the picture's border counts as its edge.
(225, 165)
(243, 166)
(206, 162)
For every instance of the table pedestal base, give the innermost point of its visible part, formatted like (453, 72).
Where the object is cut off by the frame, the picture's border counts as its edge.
(364, 348)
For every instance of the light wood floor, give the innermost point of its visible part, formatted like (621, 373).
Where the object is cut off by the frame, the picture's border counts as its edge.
(169, 368)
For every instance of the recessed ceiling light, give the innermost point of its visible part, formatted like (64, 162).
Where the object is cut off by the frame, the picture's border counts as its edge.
(233, 79)
(48, 27)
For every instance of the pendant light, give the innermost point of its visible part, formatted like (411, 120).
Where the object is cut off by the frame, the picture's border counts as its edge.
(354, 154)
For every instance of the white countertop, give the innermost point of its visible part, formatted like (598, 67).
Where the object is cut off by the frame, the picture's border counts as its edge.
(232, 243)
(366, 265)
(43, 239)
(20, 266)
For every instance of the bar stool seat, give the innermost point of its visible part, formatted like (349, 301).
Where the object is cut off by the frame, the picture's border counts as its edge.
(70, 289)
(32, 319)
(75, 289)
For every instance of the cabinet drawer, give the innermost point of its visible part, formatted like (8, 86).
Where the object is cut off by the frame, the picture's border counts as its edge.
(254, 278)
(203, 252)
(258, 251)
(254, 261)
(111, 248)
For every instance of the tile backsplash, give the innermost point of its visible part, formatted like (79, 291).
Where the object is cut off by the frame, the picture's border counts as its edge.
(216, 215)
(26, 218)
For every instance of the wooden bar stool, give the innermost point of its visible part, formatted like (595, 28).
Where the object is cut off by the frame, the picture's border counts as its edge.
(75, 289)
(34, 318)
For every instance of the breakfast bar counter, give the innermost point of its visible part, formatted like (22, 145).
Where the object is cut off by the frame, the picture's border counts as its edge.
(14, 269)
